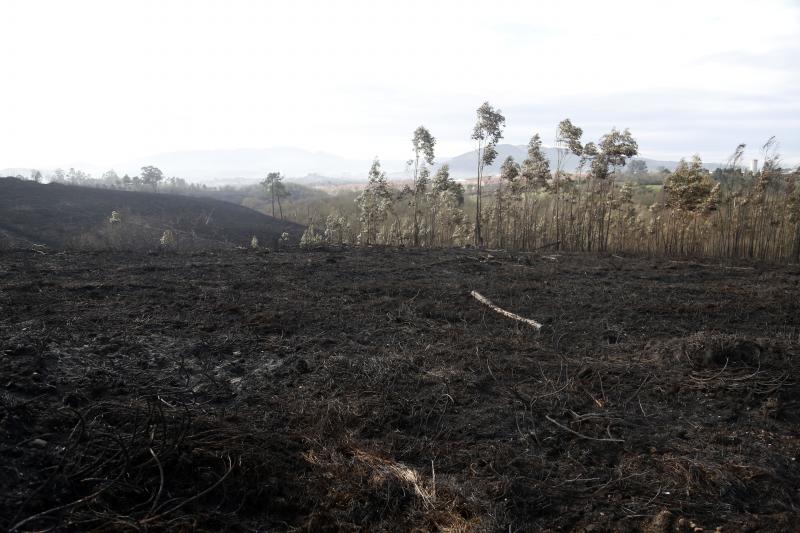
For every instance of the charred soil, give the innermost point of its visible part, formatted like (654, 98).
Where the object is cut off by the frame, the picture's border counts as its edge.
(366, 390)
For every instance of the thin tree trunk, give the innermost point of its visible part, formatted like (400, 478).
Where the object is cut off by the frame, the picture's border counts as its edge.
(416, 223)
(478, 238)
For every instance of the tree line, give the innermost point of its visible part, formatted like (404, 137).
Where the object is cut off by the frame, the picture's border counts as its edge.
(531, 206)
(151, 178)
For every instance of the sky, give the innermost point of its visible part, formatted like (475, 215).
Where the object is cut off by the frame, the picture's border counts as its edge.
(112, 80)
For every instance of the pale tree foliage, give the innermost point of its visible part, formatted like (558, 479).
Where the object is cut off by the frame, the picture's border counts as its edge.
(311, 237)
(506, 194)
(152, 176)
(730, 213)
(735, 213)
(534, 173)
(690, 196)
(568, 138)
(446, 199)
(568, 141)
(337, 229)
(374, 204)
(536, 168)
(423, 146)
(689, 186)
(596, 207)
(534, 206)
(613, 151)
(119, 235)
(169, 239)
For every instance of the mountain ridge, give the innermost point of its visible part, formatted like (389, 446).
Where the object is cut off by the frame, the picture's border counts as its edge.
(245, 166)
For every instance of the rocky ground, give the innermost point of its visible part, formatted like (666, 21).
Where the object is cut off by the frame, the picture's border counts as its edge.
(366, 390)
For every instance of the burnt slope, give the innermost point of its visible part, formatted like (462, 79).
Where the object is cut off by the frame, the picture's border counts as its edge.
(64, 216)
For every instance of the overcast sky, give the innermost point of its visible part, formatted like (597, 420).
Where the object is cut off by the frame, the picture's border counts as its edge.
(108, 81)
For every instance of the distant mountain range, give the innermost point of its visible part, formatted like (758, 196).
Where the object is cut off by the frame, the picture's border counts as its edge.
(465, 165)
(320, 168)
(247, 166)
(250, 165)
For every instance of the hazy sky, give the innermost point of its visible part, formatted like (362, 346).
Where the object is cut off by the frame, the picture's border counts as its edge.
(108, 81)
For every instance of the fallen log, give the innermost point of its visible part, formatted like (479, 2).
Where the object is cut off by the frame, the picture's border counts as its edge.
(487, 302)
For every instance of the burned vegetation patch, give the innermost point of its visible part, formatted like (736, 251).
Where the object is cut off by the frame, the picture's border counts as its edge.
(370, 390)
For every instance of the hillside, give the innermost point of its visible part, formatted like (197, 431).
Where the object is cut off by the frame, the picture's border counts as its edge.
(63, 216)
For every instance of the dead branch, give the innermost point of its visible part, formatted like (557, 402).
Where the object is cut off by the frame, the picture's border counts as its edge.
(193, 498)
(485, 301)
(581, 435)
(77, 502)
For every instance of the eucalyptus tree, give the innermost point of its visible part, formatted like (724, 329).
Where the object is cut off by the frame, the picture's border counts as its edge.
(374, 203)
(536, 167)
(509, 174)
(589, 153)
(535, 171)
(688, 190)
(446, 198)
(487, 132)
(422, 144)
(568, 141)
(613, 151)
(688, 187)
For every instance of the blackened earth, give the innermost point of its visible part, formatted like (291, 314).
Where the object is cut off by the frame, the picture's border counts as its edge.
(366, 390)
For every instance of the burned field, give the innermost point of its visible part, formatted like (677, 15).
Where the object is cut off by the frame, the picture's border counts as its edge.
(345, 390)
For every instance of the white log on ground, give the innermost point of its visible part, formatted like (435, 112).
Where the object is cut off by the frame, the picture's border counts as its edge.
(487, 302)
